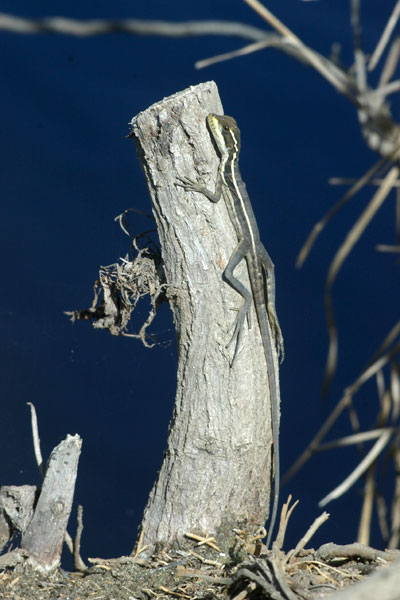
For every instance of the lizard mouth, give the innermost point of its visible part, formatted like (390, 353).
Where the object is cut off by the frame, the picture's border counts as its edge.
(212, 122)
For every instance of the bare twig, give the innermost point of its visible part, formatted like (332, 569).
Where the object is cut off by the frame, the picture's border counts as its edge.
(36, 438)
(307, 537)
(66, 26)
(270, 41)
(286, 513)
(327, 69)
(79, 565)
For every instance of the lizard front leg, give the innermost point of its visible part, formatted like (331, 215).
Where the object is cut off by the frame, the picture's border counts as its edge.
(192, 186)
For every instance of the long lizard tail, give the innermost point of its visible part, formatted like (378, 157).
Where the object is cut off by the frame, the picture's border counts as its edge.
(274, 398)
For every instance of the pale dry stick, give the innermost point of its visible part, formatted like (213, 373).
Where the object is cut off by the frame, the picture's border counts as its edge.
(388, 340)
(246, 593)
(385, 400)
(201, 540)
(356, 438)
(395, 392)
(341, 255)
(352, 180)
(387, 248)
(270, 41)
(364, 527)
(277, 567)
(354, 421)
(382, 517)
(285, 45)
(387, 32)
(397, 216)
(36, 439)
(331, 551)
(333, 74)
(390, 63)
(384, 90)
(286, 513)
(364, 530)
(306, 537)
(394, 539)
(359, 58)
(358, 471)
(39, 460)
(319, 226)
(374, 367)
(79, 565)
(249, 49)
(66, 26)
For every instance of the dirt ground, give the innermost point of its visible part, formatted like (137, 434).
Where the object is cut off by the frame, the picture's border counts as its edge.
(201, 572)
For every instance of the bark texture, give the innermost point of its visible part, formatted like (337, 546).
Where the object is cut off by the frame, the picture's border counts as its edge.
(16, 510)
(216, 470)
(44, 536)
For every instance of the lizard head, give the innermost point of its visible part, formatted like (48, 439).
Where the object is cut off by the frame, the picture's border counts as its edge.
(226, 135)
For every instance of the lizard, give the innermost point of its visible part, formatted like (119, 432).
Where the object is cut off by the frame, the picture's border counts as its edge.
(229, 185)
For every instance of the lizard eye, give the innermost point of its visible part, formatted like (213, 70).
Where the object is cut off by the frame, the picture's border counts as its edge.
(226, 127)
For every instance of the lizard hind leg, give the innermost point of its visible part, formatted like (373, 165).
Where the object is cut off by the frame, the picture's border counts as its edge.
(237, 328)
(269, 277)
(237, 256)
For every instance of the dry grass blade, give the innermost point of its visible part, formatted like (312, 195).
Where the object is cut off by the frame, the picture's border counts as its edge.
(387, 32)
(359, 470)
(351, 239)
(318, 227)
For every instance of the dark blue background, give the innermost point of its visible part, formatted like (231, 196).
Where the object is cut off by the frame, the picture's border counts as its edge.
(68, 170)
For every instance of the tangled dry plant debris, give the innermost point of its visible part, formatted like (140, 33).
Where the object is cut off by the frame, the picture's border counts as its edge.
(203, 573)
(121, 285)
(199, 570)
